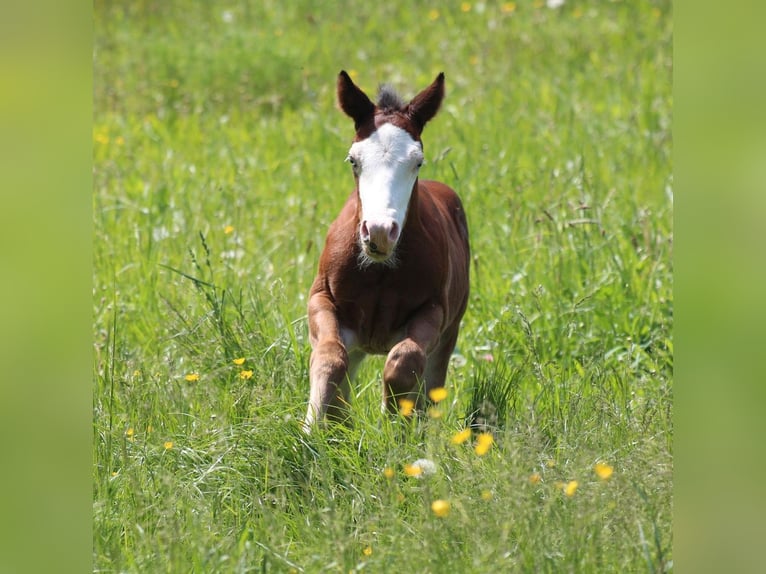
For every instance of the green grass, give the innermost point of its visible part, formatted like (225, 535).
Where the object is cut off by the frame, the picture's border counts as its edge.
(555, 131)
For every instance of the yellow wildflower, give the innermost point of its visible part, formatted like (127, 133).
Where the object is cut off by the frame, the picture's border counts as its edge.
(425, 468)
(508, 7)
(465, 7)
(192, 377)
(367, 551)
(228, 229)
(437, 394)
(483, 443)
(534, 478)
(440, 508)
(240, 361)
(486, 494)
(603, 470)
(129, 433)
(570, 487)
(168, 444)
(433, 14)
(406, 406)
(244, 375)
(461, 437)
(413, 470)
(388, 472)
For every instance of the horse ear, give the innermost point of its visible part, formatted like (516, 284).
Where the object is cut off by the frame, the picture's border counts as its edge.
(424, 106)
(353, 101)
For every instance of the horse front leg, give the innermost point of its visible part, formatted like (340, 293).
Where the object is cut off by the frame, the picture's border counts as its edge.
(329, 364)
(406, 362)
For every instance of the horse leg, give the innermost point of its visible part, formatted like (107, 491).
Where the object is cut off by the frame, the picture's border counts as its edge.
(328, 374)
(406, 362)
(438, 361)
(401, 375)
(332, 368)
(330, 364)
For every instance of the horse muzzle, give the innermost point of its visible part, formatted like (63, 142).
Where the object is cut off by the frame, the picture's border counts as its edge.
(379, 238)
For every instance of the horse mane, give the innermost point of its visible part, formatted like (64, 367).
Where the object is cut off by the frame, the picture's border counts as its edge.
(389, 100)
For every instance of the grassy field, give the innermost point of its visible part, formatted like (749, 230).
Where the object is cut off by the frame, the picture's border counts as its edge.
(218, 166)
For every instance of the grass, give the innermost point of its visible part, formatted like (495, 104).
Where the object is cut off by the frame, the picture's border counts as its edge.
(218, 154)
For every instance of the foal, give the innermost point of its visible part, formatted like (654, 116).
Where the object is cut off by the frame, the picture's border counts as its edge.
(393, 275)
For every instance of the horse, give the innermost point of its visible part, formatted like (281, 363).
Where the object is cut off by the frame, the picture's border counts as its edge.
(393, 277)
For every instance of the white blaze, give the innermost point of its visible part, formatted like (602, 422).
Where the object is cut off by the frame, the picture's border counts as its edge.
(387, 165)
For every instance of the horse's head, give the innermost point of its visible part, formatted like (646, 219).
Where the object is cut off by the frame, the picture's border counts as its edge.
(386, 156)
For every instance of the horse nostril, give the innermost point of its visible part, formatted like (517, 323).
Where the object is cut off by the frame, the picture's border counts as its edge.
(393, 235)
(373, 246)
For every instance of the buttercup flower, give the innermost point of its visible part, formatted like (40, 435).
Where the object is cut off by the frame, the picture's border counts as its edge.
(168, 444)
(245, 375)
(461, 437)
(420, 468)
(192, 377)
(437, 394)
(440, 508)
(483, 443)
(240, 361)
(570, 488)
(406, 406)
(412, 470)
(603, 470)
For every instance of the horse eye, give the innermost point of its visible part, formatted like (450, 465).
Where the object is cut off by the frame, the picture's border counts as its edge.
(351, 160)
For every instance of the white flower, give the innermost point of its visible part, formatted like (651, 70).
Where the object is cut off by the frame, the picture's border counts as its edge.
(554, 4)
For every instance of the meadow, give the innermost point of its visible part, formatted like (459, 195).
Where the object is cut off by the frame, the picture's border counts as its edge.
(218, 165)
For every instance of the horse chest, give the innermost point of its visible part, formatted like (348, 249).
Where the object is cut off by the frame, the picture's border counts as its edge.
(376, 317)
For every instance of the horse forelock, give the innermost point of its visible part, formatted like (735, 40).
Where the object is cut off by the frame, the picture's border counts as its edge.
(388, 100)
(390, 108)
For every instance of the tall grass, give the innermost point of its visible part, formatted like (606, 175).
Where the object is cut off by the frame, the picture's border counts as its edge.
(218, 155)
